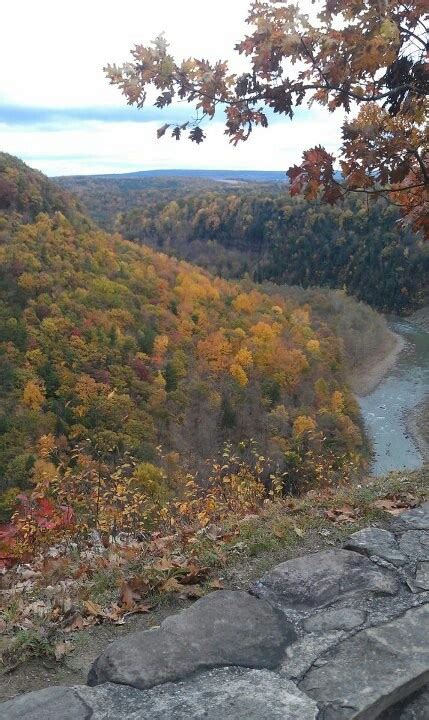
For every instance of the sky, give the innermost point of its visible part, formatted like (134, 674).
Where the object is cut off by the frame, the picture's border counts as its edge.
(59, 113)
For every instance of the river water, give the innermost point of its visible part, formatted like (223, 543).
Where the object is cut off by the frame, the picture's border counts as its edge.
(385, 410)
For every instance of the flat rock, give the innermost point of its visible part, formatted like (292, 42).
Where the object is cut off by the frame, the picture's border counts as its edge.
(48, 704)
(375, 541)
(319, 580)
(335, 619)
(415, 519)
(373, 670)
(223, 628)
(415, 544)
(227, 694)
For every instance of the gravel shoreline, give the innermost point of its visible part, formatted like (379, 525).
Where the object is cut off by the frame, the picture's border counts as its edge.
(364, 380)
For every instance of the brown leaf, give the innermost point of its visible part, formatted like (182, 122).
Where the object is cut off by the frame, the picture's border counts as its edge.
(394, 507)
(77, 623)
(192, 591)
(62, 649)
(216, 584)
(193, 575)
(172, 585)
(140, 610)
(163, 565)
(93, 608)
(346, 513)
(128, 596)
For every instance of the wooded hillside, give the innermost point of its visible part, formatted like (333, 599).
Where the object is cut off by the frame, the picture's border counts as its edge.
(111, 353)
(261, 230)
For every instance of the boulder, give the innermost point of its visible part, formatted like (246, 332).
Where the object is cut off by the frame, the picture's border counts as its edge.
(375, 541)
(319, 580)
(373, 670)
(223, 628)
(227, 694)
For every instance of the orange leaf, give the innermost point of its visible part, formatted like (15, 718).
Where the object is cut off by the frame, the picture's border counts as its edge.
(128, 596)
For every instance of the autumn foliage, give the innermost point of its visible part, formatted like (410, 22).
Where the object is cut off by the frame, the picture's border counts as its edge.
(367, 58)
(262, 231)
(125, 372)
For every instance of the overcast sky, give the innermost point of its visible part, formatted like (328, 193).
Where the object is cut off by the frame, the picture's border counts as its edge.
(59, 114)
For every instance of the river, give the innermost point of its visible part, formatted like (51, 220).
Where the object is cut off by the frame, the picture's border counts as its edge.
(386, 411)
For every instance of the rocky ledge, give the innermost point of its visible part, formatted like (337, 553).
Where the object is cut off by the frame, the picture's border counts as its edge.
(336, 635)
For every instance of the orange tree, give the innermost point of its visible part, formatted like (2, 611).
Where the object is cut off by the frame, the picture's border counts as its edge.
(368, 58)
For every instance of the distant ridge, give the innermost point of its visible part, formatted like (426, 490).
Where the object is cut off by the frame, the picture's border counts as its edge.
(233, 176)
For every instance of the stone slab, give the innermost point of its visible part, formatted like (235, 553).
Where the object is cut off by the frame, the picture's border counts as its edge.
(415, 519)
(225, 694)
(322, 579)
(422, 576)
(415, 544)
(415, 707)
(373, 670)
(223, 628)
(375, 541)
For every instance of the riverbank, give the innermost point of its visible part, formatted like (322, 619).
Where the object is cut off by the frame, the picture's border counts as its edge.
(393, 394)
(419, 419)
(421, 318)
(417, 425)
(365, 378)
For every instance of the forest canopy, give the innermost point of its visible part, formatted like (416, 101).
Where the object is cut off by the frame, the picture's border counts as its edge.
(259, 230)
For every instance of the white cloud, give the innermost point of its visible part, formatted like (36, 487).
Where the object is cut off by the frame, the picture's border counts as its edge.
(95, 147)
(53, 53)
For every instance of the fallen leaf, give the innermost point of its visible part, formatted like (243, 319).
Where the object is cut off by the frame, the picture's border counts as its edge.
(394, 507)
(163, 565)
(93, 608)
(216, 584)
(128, 596)
(346, 513)
(62, 649)
(77, 623)
(138, 610)
(192, 591)
(172, 585)
(298, 531)
(194, 575)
